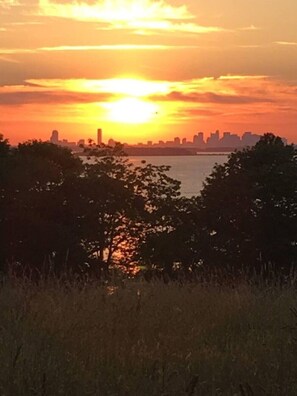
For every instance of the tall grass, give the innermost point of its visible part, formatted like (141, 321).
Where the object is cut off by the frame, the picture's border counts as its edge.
(147, 339)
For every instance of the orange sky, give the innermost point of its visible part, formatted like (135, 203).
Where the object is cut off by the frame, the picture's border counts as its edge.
(147, 70)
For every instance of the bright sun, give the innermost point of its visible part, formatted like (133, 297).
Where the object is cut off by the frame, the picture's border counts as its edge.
(131, 111)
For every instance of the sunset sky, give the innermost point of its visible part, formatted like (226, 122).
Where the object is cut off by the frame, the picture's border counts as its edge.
(147, 70)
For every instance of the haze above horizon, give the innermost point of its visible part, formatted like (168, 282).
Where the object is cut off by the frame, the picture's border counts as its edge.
(145, 70)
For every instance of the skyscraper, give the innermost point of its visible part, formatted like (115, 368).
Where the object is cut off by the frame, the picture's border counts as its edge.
(99, 137)
(55, 137)
(198, 140)
(214, 139)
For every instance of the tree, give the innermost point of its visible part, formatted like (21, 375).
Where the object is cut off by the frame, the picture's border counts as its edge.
(122, 203)
(248, 210)
(168, 246)
(58, 211)
(4, 147)
(37, 225)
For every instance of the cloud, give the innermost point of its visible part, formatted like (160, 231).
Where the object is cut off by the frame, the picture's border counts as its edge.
(198, 112)
(228, 100)
(115, 86)
(104, 47)
(6, 4)
(138, 16)
(13, 51)
(65, 98)
(114, 47)
(250, 46)
(232, 77)
(287, 109)
(216, 94)
(79, 91)
(165, 25)
(115, 10)
(8, 59)
(250, 28)
(286, 43)
(27, 23)
(211, 97)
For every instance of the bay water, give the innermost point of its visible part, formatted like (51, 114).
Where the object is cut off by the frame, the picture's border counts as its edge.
(191, 171)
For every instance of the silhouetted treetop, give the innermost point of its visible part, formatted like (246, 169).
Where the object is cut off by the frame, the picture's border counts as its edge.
(59, 212)
(4, 146)
(248, 208)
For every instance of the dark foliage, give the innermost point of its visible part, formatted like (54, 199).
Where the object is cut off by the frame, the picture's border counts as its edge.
(248, 210)
(169, 244)
(37, 226)
(59, 214)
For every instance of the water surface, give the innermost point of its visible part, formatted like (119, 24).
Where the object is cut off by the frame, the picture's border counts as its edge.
(191, 171)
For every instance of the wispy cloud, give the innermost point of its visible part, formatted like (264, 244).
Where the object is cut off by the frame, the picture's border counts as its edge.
(163, 25)
(116, 86)
(212, 97)
(250, 46)
(18, 98)
(114, 47)
(114, 10)
(286, 43)
(229, 100)
(232, 77)
(24, 23)
(14, 51)
(139, 16)
(78, 91)
(9, 3)
(104, 47)
(225, 90)
(250, 28)
(8, 59)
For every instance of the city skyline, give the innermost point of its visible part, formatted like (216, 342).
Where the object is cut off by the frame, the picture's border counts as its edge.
(144, 69)
(216, 140)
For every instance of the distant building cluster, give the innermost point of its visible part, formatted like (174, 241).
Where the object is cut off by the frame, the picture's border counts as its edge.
(214, 141)
(74, 146)
(227, 140)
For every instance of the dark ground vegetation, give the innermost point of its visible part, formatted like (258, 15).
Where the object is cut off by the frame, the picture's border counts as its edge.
(147, 339)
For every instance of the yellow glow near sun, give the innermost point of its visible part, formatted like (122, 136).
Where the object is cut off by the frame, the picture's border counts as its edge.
(131, 86)
(116, 10)
(128, 86)
(131, 111)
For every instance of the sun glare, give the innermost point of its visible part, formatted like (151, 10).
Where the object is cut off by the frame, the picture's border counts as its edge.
(128, 86)
(131, 111)
(122, 11)
(134, 87)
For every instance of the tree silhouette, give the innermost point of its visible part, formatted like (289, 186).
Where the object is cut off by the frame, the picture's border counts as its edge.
(168, 245)
(4, 147)
(122, 203)
(248, 210)
(58, 212)
(37, 225)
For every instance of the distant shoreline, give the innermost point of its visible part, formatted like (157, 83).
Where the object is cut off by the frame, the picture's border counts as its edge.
(173, 151)
(170, 152)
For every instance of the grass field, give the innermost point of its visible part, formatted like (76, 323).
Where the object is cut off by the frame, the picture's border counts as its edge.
(147, 339)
